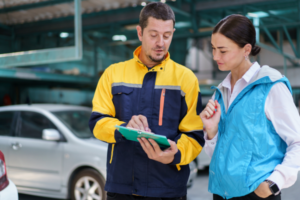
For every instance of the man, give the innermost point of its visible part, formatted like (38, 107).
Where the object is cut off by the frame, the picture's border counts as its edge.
(152, 93)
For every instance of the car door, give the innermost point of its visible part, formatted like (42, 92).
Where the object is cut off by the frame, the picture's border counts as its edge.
(34, 162)
(7, 121)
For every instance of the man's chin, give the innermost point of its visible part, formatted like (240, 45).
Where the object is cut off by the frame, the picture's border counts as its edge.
(157, 58)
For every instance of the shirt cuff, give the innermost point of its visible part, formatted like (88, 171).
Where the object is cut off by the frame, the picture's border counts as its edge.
(177, 158)
(211, 142)
(118, 136)
(278, 178)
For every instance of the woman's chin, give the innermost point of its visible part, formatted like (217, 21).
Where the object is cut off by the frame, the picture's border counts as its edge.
(223, 68)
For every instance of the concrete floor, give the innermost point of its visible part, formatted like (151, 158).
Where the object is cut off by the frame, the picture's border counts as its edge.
(199, 190)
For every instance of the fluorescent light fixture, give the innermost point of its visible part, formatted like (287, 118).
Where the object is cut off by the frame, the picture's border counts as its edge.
(119, 38)
(64, 35)
(258, 14)
(163, 1)
(182, 24)
(143, 3)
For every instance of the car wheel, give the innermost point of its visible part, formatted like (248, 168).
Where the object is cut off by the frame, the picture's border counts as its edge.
(88, 184)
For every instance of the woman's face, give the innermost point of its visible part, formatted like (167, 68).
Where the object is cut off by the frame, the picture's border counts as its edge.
(226, 53)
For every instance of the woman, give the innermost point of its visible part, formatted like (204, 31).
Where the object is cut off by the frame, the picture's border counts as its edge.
(252, 124)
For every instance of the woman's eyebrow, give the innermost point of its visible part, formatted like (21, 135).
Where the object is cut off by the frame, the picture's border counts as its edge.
(218, 47)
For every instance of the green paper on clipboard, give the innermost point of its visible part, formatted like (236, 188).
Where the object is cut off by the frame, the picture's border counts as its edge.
(132, 134)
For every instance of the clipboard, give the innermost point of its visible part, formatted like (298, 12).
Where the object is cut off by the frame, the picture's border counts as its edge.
(132, 134)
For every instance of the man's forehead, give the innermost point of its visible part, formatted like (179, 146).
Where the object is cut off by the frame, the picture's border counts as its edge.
(160, 25)
(159, 31)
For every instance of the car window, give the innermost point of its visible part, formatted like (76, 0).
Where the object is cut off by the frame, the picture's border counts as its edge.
(6, 121)
(77, 121)
(32, 124)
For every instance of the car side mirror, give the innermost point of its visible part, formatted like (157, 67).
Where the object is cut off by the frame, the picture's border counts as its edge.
(51, 134)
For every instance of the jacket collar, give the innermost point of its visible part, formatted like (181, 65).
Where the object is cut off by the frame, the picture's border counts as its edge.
(159, 67)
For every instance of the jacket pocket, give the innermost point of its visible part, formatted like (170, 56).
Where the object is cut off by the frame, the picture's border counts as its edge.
(161, 109)
(123, 100)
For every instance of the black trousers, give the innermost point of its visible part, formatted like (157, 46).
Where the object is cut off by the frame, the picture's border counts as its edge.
(115, 196)
(251, 196)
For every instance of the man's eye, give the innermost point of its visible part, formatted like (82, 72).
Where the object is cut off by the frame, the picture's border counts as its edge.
(223, 51)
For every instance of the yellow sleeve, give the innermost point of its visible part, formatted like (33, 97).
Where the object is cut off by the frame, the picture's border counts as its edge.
(103, 119)
(191, 140)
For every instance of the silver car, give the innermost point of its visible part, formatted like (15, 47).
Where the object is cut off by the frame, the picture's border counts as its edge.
(51, 152)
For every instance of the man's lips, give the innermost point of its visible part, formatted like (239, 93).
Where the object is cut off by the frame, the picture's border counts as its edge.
(220, 63)
(159, 50)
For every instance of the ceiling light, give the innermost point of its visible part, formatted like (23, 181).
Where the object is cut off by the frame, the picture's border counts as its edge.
(143, 3)
(258, 14)
(119, 38)
(64, 35)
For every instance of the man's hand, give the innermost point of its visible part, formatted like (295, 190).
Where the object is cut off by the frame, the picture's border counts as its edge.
(155, 153)
(139, 122)
(263, 190)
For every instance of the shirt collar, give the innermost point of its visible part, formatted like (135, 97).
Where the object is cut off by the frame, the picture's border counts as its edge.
(246, 77)
(160, 67)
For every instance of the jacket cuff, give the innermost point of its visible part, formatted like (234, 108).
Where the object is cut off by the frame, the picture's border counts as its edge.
(177, 158)
(118, 136)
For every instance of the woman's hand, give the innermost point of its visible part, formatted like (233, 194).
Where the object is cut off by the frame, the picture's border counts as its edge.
(263, 190)
(210, 117)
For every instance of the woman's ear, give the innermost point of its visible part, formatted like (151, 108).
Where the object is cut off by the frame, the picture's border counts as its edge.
(248, 48)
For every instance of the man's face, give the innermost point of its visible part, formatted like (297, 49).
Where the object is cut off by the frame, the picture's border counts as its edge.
(156, 38)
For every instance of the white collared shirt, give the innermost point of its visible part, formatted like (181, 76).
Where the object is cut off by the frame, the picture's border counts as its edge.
(282, 112)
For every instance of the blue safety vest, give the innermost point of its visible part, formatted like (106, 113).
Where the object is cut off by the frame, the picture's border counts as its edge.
(248, 147)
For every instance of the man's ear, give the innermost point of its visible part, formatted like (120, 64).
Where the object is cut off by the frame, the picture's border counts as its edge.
(139, 32)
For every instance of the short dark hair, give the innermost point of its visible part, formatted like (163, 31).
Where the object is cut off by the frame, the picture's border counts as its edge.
(156, 10)
(239, 29)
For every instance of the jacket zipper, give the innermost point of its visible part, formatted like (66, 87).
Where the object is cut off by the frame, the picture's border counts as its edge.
(112, 153)
(161, 109)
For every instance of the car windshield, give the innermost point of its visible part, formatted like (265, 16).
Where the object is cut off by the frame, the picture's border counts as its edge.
(77, 121)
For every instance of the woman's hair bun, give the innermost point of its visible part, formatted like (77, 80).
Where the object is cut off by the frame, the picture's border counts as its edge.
(255, 50)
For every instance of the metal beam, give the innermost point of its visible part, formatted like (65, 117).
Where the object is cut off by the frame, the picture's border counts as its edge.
(33, 5)
(272, 49)
(176, 10)
(5, 27)
(270, 36)
(290, 40)
(46, 56)
(273, 15)
(87, 23)
(225, 3)
(41, 76)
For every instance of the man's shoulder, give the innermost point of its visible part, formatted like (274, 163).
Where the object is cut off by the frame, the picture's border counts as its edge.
(184, 72)
(119, 65)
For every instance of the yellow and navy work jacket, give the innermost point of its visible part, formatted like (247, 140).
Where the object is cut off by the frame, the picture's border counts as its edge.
(169, 96)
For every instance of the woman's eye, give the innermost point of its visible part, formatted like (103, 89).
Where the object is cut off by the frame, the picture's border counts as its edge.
(153, 35)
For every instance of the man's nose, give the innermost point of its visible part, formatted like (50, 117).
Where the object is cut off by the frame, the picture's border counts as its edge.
(160, 41)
